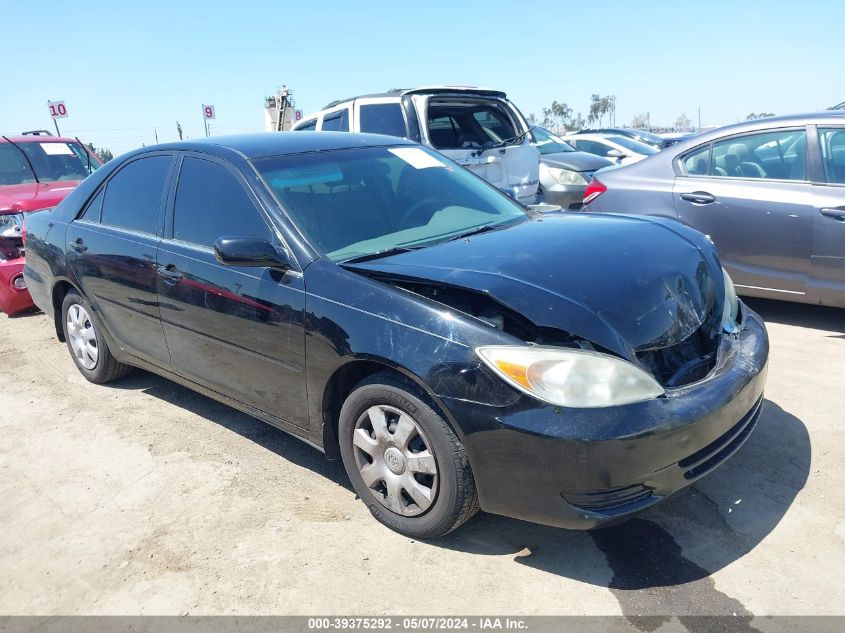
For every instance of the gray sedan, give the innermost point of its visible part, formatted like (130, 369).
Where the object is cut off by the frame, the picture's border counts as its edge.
(564, 171)
(770, 193)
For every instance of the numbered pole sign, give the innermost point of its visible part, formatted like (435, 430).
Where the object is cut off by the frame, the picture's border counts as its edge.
(58, 109)
(208, 112)
(297, 114)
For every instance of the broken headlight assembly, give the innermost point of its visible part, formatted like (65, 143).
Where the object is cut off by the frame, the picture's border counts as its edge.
(567, 176)
(11, 225)
(570, 377)
(730, 311)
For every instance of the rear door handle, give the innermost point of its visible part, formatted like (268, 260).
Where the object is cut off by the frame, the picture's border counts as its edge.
(698, 197)
(170, 274)
(78, 245)
(837, 213)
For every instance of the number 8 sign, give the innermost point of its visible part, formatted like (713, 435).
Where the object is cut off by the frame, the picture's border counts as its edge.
(208, 111)
(58, 109)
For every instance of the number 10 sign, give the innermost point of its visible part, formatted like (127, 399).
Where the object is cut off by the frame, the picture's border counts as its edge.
(58, 109)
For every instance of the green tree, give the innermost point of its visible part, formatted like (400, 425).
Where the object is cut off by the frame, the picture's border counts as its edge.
(640, 121)
(683, 122)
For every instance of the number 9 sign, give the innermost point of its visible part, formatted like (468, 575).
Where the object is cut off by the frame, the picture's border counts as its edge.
(208, 111)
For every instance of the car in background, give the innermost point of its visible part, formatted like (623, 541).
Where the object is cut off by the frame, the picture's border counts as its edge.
(622, 150)
(671, 138)
(770, 193)
(478, 128)
(643, 136)
(564, 171)
(36, 171)
(373, 298)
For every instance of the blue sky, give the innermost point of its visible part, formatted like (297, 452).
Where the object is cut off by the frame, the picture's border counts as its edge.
(124, 68)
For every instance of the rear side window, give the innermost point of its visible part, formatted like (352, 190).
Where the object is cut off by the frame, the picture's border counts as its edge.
(698, 162)
(308, 126)
(92, 211)
(833, 154)
(212, 203)
(383, 118)
(133, 195)
(780, 155)
(336, 121)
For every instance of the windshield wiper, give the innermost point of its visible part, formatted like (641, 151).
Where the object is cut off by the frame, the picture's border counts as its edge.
(379, 254)
(502, 143)
(479, 230)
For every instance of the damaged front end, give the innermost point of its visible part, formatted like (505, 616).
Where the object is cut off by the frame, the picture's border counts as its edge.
(14, 296)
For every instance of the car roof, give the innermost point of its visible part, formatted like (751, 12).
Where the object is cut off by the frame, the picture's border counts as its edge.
(437, 89)
(266, 144)
(36, 138)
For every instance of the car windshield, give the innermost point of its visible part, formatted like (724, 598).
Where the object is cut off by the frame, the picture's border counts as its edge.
(48, 161)
(548, 143)
(633, 145)
(354, 203)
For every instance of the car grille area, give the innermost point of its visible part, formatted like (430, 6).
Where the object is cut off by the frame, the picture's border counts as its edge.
(683, 363)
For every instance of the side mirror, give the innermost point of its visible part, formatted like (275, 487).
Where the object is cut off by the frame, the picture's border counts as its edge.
(615, 153)
(251, 251)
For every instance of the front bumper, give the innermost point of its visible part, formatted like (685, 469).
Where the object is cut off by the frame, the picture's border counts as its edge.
(584, 468)
(13, 300)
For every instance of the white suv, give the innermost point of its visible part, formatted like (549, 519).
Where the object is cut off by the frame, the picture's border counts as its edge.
(477, 128)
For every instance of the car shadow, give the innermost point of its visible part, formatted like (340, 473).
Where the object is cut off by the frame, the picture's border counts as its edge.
(269, 437)
(799, 314)
(714, 522)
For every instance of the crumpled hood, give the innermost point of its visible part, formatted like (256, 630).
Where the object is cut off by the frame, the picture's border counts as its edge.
(576, 161)
(626, 283)
(34, 196)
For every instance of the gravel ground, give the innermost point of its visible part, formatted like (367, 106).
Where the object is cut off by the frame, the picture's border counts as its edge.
(142, 497)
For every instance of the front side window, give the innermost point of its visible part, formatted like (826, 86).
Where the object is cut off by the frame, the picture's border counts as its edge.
(336, 121)
(212, 203)
(383, 118)
(833, 154)
(49, 161)
(780, 155)
(355, 203)
(133, 195)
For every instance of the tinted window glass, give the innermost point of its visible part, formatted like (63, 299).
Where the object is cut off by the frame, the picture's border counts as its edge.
(308, 126)
(336, 121)
(211, 203)
(383, 118)
(133, 195)
(698, 162)
(92, 211)
(778, 155)
(833, 154)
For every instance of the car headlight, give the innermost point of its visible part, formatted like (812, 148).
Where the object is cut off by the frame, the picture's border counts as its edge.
(731, 308)
(567, 176)
(11, 224)
(570, 377)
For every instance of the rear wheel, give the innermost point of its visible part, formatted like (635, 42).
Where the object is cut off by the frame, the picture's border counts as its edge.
(403, 459)
(87, 346)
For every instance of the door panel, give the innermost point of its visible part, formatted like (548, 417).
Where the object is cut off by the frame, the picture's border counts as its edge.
(238, 331)
(762, 229)
(827, 271)
(117, 272)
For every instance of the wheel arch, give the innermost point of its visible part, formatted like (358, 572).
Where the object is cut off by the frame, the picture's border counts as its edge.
(343, 380)
(60, 289)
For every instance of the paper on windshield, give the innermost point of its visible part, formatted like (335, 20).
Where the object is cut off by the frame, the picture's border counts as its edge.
(416, 157)
(55, 149)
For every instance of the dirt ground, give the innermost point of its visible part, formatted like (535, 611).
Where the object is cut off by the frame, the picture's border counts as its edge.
(142, 497)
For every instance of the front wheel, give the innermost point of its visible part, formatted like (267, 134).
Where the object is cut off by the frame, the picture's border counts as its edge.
(404, 460)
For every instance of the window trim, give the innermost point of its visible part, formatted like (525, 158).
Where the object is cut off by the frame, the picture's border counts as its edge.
(165, 195)
(680, 171)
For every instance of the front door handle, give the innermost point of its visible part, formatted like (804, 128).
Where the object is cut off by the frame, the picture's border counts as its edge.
(78, 245)
(698, 197)
(837, 213)
(170, 274)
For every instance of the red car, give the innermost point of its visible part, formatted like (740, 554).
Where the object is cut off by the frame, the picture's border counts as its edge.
(36, 172)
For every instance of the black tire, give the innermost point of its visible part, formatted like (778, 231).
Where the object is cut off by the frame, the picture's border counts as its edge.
(106, 368)
(455, 499)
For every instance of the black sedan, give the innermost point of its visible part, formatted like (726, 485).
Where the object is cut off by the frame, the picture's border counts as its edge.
(455, 349)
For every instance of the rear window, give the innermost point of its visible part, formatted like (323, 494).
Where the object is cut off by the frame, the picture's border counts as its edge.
(469, 125)
(382, 118)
